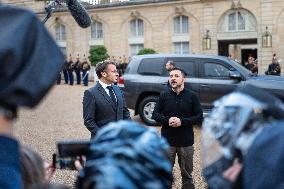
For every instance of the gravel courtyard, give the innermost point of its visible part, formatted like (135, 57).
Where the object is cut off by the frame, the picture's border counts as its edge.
(59, 117)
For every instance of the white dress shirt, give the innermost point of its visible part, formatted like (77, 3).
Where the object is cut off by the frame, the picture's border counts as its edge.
(104, 85)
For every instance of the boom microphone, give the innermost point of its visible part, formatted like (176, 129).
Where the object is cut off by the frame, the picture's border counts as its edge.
(79, 13)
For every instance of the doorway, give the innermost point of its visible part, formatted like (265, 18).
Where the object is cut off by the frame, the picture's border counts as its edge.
(243, 48)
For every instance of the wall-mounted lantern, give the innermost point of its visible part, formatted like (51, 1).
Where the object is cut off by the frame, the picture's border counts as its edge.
(207, 41)
(266, 38)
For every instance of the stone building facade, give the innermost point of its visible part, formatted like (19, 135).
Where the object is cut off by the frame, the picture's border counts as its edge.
(235, 27)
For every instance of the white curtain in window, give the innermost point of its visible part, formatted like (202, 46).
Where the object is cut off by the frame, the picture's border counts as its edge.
(136, 28)
(177, 25)
(93, 30)
(133, 27)
(57, 33)
(97, 30)
(184, 24)
(100, 30)
(181, 25)
(232, 21)
(177, 48)
(241, 22)
(140, 27)
(185, 47)
(60, 33)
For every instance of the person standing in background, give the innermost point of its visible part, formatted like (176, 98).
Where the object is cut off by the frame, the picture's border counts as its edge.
(78, 69)
(170, 65)
(274, 68)
(65, 71)
(70, 69)
(251, 65)
(58, 79)
(124, 63)
(85, 70)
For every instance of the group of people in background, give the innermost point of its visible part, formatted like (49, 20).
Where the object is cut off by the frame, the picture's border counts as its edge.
(81, 69)
(120, 62)
(251, 64)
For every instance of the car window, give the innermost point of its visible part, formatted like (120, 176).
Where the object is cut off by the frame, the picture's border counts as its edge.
(187, 67)
(151, 66)
(187, 64)
(212, 70)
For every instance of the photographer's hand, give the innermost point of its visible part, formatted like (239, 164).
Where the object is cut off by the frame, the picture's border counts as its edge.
(78, 163)
(6, 126)
(233, 172)
(49, 171)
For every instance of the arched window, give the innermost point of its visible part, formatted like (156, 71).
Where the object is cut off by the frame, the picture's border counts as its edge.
(60, 32)
(181, 25)
(136, 28)
(236, 22)
(96, 30)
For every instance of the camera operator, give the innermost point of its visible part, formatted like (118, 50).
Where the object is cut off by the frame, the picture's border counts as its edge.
(30, 62)
(242, 140)
(274, 68)
(126, 155)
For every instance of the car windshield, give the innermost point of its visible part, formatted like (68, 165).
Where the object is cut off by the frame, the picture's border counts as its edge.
(241, 68)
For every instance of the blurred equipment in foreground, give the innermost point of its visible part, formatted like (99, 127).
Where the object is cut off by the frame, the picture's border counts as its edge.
(242, 145)
(127, 155)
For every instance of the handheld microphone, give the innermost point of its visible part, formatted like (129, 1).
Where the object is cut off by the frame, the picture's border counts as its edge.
(79, 13)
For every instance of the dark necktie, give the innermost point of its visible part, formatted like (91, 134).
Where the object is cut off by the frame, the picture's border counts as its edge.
(111, 94)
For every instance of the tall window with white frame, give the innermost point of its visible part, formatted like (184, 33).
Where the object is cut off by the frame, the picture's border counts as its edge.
(181, 25)
(136, 28)
(96, 30)
(136, 40)
(60, 32)
(181, 30)
(60, 37)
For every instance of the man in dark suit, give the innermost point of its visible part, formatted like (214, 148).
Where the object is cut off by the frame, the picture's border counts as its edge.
(104, 103)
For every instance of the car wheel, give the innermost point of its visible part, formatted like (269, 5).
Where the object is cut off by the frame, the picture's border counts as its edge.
(146, 108)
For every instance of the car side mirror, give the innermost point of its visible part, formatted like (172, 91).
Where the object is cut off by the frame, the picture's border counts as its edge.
(235, 75)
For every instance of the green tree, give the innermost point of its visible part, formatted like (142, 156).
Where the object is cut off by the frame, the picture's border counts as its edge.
(98, 54)
(146, 51)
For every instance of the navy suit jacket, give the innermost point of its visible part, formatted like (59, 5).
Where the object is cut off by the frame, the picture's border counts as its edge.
(99, 110)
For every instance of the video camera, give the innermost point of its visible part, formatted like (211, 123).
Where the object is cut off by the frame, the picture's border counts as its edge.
(68, 152)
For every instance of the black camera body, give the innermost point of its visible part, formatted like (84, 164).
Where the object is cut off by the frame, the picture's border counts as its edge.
(68, 152)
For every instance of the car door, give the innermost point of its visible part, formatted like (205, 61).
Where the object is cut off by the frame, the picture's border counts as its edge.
(215, 81)
(189, 65)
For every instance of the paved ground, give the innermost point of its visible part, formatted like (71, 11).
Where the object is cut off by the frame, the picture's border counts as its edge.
(59, 117)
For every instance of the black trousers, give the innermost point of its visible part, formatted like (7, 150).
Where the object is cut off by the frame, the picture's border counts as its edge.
(185, 161)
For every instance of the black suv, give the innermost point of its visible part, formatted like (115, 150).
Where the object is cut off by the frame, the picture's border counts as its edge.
(210, 77)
